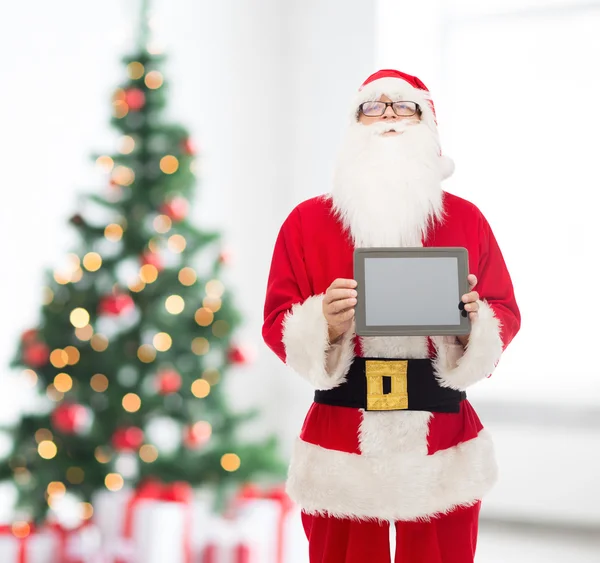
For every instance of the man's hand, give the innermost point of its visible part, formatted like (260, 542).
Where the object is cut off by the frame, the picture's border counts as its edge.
(470, 305)
(338, 307)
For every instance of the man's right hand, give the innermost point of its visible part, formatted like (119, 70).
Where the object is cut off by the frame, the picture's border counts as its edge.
(338, 307)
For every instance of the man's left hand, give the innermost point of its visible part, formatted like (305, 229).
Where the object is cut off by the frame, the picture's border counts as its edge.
(471, 305)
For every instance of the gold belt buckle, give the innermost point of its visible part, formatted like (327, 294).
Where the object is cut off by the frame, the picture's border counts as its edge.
(397, 399)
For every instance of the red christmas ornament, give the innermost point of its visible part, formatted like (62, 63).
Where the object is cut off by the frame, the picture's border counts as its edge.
(135, 99)
(176, 208)
(225, 257)
(168, 381)
(70, 418)
(153, 259)
(36, 354)
(239, 355)
(128, 439)
(188, 147)
(196, 435)
(115, 304)
(29, 336)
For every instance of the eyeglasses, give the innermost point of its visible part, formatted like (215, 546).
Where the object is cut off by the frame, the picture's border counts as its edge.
(377, 109)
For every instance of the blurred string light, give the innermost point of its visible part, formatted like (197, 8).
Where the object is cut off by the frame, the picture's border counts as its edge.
(59, 358)
(175, 304)
(162, 224)
(204, 316)
(120, 109)
(56, 489)
(146, 353)
(187, 276)
(99, 382)
(99, 342)
(114, 482)
(154, 79)
(54, 394)
(20, 529)
(148, 273)
(75, 475)
(47, 296)
(63, 382)
(215, 288)
(73, 354)
(79, 318)
(43, 434)
(135, 70)
(162, 341)
(169, 164)
(92, 261)
(136, 285)
(105, 162)
(131, 402)
(200, 346)
(202, 431)
(148, 453)
(30, 377)
(212, 303)
(126, 144)
(113, 232)
(177, 243)
(220, 329)
(123, 176)
(47, 449)
(77, 275)
(211, 375)
(102, 455)
(86, 510)
(231, 462)
(154, 245)
(200, 388)
(84, 333)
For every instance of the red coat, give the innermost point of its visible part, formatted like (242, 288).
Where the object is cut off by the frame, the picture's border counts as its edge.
(396, 465)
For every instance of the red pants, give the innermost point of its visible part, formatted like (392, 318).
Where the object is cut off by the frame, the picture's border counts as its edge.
(450, 538)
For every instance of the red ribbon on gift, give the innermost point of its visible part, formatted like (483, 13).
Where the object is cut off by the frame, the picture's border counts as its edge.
(277, 494)
(151, 489)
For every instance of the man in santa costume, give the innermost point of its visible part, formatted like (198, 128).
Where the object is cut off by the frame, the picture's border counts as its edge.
(423, 469)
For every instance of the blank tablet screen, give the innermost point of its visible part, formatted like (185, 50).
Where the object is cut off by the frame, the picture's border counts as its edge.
(412, 291)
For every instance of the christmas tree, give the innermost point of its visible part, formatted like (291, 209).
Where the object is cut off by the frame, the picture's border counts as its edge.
(136, 335)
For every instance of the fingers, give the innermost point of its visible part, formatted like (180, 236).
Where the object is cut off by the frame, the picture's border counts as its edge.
(340, 305)
(337, 294)
(342, 283)
(472, 279)
(470, 297)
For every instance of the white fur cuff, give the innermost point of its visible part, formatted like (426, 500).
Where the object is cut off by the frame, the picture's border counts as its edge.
(308, 352)
(459, 370)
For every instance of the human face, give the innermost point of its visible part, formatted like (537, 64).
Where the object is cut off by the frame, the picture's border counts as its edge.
(388, 116)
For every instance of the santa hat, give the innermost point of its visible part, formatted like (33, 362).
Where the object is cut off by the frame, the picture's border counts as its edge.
(398, 85)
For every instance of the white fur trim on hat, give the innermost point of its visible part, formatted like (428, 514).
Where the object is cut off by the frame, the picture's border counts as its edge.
(307, 347)
(447, 166)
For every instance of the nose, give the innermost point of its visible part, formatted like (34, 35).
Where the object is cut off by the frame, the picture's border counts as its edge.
(389, 113)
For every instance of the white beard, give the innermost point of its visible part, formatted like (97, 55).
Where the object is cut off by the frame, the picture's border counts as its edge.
(387, 189)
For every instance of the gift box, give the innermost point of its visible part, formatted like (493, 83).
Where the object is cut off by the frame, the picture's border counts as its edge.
(27, 545)
(273, 522)
(151, 524)
(228, 542)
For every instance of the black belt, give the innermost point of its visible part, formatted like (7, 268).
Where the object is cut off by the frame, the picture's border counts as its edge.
(380, 384)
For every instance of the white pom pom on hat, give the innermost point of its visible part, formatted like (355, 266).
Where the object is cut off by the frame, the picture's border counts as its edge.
(396, 84)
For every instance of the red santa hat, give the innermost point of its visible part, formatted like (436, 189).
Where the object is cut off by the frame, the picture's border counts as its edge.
(398, 85)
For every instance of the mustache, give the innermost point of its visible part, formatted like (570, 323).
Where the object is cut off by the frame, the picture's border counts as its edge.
(400, 126)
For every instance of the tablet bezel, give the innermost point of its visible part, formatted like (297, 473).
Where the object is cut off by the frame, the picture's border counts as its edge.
(406, 330)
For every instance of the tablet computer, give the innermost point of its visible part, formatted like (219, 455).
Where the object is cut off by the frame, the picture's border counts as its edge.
(411, 291)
